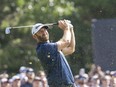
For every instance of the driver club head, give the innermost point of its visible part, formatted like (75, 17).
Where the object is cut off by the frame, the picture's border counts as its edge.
(7, 31)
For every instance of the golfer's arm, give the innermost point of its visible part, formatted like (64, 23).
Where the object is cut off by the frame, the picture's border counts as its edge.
(71, 48)
(65, 40)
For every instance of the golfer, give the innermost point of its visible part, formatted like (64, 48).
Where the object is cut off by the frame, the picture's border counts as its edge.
(52, 55)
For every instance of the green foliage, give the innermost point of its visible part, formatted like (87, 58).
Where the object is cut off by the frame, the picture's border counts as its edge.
(18, 48)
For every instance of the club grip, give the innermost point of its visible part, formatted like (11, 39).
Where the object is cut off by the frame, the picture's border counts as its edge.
(57, 22)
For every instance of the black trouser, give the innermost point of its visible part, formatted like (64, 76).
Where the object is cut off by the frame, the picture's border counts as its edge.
(62, 85)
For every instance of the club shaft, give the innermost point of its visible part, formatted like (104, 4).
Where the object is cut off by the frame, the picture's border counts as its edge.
(49, 24)
(22, 26)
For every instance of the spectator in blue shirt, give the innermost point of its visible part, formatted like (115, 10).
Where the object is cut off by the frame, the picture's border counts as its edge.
(52, 55)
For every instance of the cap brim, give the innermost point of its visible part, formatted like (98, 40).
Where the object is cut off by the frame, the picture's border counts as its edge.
(46, 27)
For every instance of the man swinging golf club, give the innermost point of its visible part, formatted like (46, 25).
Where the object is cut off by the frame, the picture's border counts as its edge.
(52, 55)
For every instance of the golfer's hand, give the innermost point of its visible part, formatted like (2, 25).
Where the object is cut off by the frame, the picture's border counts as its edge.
(63, 24)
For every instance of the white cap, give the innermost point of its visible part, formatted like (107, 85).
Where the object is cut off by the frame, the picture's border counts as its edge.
(4, 80)
(37, 78)
(16, 77)
(22, 69)
(95, 77)
(37, 27)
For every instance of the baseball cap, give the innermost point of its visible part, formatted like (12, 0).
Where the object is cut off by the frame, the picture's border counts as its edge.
(37, 27)
(37, 78)
(4, 80)
(16, 77)
(95, 77)
(22, 69)
(29, 70)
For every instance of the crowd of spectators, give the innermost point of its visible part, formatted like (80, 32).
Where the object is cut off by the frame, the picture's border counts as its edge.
(26, 77)
(96, 77)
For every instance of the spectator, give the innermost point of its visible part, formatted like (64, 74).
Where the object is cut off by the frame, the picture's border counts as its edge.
(43, 78)
(37, 82)
(5, 82)
(113, 81)
(30, 75)
(22, 74)
(76, 79)
(105, 81)
(16, 82)
(4, 75)
(81, 81)
(89, 83)
(96, 70)
(95, 81)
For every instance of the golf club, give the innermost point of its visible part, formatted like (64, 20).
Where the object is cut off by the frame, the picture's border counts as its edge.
(7, 30)
(50, 25)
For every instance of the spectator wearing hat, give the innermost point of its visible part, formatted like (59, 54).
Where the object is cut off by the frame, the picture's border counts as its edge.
(22, 69)
(30, 75)
(16, 82)
(80, 81)
(95, 81)
(22, 74)
(4, 82)
(37, 82)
